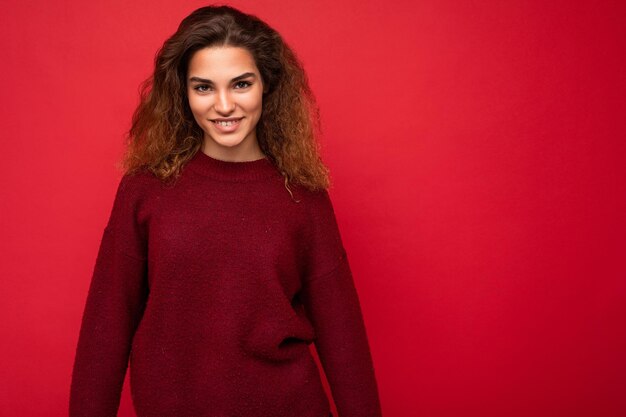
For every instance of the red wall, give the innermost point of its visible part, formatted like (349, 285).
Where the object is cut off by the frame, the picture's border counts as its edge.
(477, 151)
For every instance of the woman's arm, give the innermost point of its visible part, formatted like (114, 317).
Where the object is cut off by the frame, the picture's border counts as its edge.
(332, 303)
(113, 309)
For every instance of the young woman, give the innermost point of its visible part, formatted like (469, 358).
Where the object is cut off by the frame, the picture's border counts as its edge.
(222, 262)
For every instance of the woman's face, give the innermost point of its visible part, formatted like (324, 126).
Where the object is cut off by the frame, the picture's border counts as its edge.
(223, 83)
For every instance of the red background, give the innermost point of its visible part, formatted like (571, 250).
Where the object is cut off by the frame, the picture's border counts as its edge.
(477, 151)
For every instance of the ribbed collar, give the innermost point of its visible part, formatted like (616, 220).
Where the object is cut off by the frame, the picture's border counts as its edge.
(208, 166)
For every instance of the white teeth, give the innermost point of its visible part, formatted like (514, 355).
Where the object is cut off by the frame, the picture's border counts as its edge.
(227, 123)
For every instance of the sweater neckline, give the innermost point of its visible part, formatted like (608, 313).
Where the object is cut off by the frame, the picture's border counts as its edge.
(235, 171)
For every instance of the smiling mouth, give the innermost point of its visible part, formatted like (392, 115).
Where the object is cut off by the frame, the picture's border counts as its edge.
(228, 122)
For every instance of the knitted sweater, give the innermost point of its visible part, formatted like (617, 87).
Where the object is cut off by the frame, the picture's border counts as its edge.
(214, 288)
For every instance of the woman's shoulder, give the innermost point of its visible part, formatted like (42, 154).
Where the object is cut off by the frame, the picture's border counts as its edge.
(137, 187)
(139, 180)
(310, 196)
(316, 204)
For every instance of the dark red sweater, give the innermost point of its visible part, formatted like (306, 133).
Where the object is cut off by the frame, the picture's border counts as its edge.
(214, 288)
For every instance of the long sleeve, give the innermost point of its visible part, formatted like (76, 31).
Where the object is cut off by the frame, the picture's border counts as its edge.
(332, 303)
(113, 308)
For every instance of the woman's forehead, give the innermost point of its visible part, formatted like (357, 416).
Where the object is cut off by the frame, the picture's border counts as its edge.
(221, 63)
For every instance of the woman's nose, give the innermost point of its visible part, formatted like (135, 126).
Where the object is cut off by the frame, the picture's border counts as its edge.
(225, 104)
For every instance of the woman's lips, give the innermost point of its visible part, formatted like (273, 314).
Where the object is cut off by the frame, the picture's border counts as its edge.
(227, 128)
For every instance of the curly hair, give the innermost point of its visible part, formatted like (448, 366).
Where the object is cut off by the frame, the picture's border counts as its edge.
(164, 135)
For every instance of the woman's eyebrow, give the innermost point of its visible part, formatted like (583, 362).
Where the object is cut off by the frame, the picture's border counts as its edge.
(237, 78)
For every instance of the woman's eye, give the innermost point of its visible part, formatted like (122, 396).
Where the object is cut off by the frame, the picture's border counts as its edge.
(245, 84)
(200, 88)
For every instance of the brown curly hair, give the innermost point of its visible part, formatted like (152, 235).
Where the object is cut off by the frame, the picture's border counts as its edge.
(164, 135)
